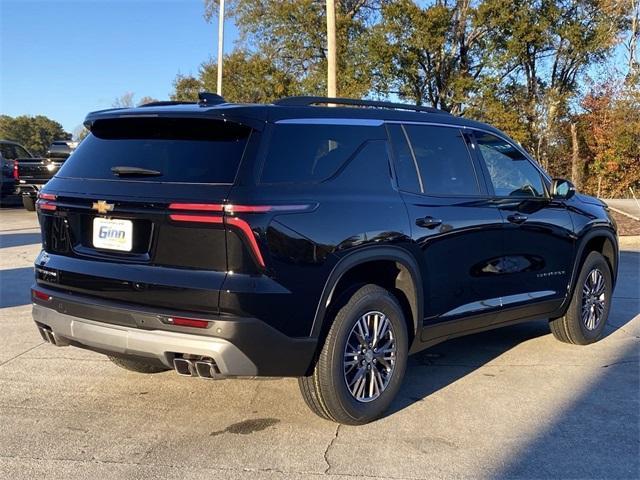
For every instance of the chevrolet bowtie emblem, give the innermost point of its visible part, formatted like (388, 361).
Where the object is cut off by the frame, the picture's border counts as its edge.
(102, 207)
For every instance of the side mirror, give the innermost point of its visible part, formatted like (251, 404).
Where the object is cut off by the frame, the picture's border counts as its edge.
(562, 189)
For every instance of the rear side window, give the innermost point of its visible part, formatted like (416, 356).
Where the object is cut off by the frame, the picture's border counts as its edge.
(181, 150)
(404, 160)
(511, 173)
(311, 153)
(8, 151)
(21, 152)
(443, 160)
(11, 152)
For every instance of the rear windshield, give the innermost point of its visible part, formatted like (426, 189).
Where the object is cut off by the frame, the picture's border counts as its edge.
(175, 150)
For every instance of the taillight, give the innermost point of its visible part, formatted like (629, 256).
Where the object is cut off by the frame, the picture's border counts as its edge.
(46, 202)
(37, 294)
(245, 228)
(188, 322)
(201, 207)
(16, 173)
(228, 210)
(264, 208)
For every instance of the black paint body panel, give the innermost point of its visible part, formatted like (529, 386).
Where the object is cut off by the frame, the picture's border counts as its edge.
(475, 270)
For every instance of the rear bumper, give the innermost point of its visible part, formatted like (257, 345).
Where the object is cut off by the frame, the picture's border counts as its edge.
(238, 346)
(28, 189)
(162, 346)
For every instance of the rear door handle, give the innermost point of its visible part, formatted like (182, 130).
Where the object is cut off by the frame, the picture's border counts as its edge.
(517, 218)
(428, 222)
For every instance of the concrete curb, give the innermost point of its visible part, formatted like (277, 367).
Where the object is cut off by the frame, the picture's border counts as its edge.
(629, 241)
(622, 212)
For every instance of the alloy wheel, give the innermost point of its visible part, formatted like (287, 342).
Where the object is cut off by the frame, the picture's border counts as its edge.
(369, 356)
(593, 299)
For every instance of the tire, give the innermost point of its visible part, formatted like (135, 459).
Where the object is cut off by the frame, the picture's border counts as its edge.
(139, 366)
(29, 203)
(579, 329)
(326, 390)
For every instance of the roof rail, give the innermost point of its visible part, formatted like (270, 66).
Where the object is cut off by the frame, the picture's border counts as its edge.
(163, 103)
(305, 101)
(207, 98)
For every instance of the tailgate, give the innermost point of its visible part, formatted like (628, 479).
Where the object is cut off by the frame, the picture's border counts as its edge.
(111, 218)
(37, 170)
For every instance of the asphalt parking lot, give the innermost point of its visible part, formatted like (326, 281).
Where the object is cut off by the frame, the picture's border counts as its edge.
(512, 403)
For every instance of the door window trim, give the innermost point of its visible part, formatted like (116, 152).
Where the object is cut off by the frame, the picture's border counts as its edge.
(498, 134)
(413, 156)
(483, 191)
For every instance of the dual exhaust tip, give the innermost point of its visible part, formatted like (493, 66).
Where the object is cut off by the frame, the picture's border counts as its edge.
(204, 368)
(48, 336)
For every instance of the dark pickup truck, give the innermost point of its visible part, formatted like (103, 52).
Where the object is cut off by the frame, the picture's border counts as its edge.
(32, 173)
(9, 152)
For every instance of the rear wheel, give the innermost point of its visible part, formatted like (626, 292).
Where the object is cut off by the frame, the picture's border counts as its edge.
(362, 362)
(586, 317)
(29, 203)
(139, 366)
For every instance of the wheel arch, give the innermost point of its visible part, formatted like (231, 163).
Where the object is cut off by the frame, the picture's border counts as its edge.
(408, 280)
(601, 240)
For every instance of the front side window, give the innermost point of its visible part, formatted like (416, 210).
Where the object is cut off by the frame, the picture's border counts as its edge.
(443, 160)
(511, 173)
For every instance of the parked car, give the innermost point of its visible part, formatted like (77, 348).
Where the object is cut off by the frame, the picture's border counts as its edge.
(33, 173)
(9, 152)
(61, 149)
(320, 242)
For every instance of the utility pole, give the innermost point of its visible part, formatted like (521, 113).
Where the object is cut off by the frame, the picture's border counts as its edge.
(331, 49)
(220, 45)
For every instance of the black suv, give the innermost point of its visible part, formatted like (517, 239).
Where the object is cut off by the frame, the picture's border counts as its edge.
(321, 242)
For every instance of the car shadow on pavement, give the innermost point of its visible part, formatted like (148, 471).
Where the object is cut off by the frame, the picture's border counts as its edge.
(13, 201)
(586, 437)
(464, 355)
(442, 365)
(19, 239)
(15, 286)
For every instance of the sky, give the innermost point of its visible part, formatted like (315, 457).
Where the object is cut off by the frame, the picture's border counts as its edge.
(64, 58)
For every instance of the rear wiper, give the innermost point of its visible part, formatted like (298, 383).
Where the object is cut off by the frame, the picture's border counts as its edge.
(134, 171)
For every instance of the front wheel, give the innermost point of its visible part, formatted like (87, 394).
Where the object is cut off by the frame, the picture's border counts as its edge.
(362, 362)
(587, 314)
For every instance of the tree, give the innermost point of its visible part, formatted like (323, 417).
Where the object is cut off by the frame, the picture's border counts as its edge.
(146, 99)
(80, 133)
(610, 128)
(34, 132)
(428, 53)
(127, 100)
(248, 78)
(124, 101)
(543, 46)
(186, 88)
(291, 34)
(631, 43)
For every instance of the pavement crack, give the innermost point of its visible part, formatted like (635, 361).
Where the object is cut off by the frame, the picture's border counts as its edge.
(622, 362)
(326, 452)
(20, 354)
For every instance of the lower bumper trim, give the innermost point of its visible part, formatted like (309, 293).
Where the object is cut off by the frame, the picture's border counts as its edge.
(161, 345)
